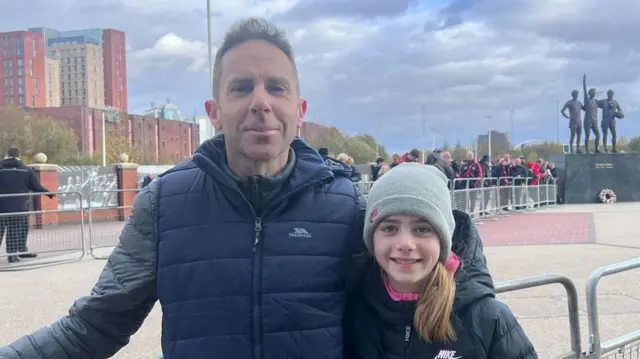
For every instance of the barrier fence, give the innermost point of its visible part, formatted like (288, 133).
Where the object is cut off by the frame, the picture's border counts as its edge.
(35, 233)
(572, 301)
(624, 346)
(106, 223)
(492, 195)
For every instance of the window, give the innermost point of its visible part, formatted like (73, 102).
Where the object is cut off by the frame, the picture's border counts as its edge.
(21, 100)
(34, 48)
(30, 67)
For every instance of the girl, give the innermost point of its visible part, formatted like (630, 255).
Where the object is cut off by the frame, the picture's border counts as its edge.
(424, 296)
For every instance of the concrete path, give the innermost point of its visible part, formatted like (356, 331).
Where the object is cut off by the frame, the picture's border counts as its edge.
(570, 240)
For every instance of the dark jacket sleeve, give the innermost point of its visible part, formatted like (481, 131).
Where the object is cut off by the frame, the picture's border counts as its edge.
(356, 176)
(509, 339)
(360, 255)
(100, 324)
(34, 185)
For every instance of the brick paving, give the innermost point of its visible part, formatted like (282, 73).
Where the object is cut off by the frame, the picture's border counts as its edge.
(537, 228)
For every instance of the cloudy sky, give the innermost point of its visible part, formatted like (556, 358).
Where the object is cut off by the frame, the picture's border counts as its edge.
(371, 65)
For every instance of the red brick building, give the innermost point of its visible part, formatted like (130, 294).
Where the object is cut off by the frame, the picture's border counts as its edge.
(156, 140)
(115, 68)
(22, 77)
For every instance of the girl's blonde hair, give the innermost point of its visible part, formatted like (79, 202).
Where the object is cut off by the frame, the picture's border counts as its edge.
(432, 318)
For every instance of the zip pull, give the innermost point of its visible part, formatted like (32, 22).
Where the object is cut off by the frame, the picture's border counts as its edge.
(258, 229)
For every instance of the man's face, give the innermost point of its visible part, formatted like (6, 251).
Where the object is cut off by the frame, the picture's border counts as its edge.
(574, 94)
(610, 95)
(258, 110)
(517, 162)
(592, 93)
(469, 156)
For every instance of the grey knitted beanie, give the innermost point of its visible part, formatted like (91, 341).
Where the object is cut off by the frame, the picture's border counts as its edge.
(416, 190)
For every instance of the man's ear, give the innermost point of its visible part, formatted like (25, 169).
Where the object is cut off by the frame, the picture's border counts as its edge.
(302, 110)
(211, 107)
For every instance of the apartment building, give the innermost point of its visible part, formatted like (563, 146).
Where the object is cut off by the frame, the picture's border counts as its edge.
(22, 79)
(81, 72)
(113, 45)
(115, 69)
(52, 71)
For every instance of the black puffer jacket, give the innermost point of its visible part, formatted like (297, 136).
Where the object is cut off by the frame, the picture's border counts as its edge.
(376, 327)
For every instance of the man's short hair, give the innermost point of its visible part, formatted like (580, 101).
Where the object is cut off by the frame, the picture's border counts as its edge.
(415, 153)
(248, 30)
(13, 152)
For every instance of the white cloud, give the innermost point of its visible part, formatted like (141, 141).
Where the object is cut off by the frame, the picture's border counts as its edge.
(168, 50)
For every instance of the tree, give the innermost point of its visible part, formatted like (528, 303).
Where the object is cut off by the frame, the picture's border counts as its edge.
(459, 152)
(634, 144)
(33, 133)
(445, 146)
(532, 156)
(117, 142)
(544, 150)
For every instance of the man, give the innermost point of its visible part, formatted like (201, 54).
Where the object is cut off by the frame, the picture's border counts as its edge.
(471, 175)
(448, 165)
(574, 106)
(347, 161)
(16, 178)
(610, 111)
(247, 245)
(375, 169)
(590, 116)
(146, 180)
(520, 174)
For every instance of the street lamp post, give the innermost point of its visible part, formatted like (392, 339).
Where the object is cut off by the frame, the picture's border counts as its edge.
(209, 46)
(424, 134)
(489, 119)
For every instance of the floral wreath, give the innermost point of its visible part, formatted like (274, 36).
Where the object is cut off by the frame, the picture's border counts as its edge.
(607, 196)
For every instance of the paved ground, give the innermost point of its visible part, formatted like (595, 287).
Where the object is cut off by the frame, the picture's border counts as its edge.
(571, 240)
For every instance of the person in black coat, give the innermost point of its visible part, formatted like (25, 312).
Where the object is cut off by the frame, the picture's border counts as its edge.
(17, 180)
(428, 294)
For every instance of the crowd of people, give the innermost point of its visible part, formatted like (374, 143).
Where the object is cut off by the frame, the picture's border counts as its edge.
(473, 173)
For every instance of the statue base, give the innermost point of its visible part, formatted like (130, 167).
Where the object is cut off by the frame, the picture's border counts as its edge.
(581, 177)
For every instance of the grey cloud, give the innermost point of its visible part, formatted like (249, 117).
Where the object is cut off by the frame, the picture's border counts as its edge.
(312, 9)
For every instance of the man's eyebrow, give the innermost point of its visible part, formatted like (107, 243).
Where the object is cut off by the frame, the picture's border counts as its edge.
(240, 80)
(278, 80)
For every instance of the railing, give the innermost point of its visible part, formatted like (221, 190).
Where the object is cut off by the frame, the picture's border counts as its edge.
(106, 223)
(572, 301)
(627, 343)
(492, 195)
(35, 234)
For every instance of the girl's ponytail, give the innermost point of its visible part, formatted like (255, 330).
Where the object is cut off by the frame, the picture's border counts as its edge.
(432, 318)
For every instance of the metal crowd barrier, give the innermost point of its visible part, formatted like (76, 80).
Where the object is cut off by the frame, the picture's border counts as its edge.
(491, 195)
(106, 222)
(36, 237)
(624, 346)
(572, 301)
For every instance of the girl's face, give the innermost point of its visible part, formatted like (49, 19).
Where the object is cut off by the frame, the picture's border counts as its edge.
(407, 249)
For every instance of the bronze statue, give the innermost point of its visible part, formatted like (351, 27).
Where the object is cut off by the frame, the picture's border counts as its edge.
(574, 106)
(590, 108)
(610, 111)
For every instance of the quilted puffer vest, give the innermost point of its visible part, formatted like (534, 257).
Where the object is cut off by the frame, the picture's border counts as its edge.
(232, 285)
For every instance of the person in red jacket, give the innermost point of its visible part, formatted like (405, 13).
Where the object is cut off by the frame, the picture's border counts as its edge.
(535, 168)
